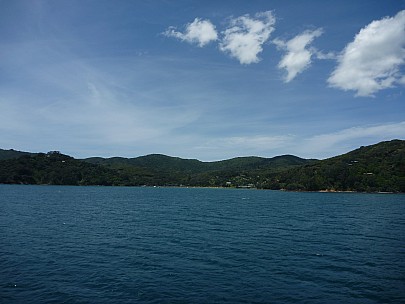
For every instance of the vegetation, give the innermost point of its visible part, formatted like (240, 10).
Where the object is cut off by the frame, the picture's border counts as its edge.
(10, 154)
(164, 170)
(53, 168)
(376, 168)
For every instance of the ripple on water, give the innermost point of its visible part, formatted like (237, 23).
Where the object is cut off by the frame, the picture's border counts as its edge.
(157, 245)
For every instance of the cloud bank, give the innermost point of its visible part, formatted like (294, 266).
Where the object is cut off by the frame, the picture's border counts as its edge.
(245, 37)
(372, 61)
(298, 57)
(199, 31)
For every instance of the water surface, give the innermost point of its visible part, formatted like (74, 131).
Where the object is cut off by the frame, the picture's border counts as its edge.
(177, 245)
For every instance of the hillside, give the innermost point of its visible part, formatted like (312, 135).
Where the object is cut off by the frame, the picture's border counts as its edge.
(157, 169)
(53, 168)
(10, 154)
(56, 168)
(375, 168)
(167, 163)
(152, 161)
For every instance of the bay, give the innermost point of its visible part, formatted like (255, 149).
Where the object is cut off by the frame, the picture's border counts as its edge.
(61, 244)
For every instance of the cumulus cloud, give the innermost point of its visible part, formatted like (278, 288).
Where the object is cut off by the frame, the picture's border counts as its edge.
(298, 56)
(199, 31)
(372, 61)
(246, 35)
(243, 39)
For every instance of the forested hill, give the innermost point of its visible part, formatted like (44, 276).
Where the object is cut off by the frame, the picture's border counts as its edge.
(175, 164)
(375, 168)
(10, 154)
(151, 170)
(53, 168)
(156, 169)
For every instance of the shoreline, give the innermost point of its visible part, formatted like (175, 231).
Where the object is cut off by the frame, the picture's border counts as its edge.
(216, 187)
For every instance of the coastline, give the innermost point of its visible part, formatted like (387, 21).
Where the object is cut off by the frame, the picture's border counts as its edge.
(213, 187)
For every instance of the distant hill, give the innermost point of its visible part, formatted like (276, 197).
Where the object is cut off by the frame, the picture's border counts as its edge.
(10, 154)
(157, 169)
(152, 161)
(59, 169)
(375, 168)
(167, 163)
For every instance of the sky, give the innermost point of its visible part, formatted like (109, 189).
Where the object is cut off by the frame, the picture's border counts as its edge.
(207, 80)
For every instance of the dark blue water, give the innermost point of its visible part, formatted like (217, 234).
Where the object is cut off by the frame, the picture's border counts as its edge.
(168, 245)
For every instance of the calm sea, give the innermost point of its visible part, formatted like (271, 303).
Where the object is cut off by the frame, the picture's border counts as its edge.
(177, 245)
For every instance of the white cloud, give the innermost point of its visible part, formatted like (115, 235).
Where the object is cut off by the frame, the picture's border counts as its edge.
(199, 31)
(245, 37)
(372, 61)
(298, 56)
(330, 55)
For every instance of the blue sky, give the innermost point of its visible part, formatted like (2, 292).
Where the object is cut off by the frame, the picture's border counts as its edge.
(201, 79)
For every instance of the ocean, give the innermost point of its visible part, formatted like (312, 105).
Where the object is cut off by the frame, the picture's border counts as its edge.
(62, 244)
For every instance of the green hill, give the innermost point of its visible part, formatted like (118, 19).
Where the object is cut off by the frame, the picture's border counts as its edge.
(53, 168)
(157, 169)
(167, 163)
(152, 162)
(10, 154)
(376, 168)
(150, 170)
